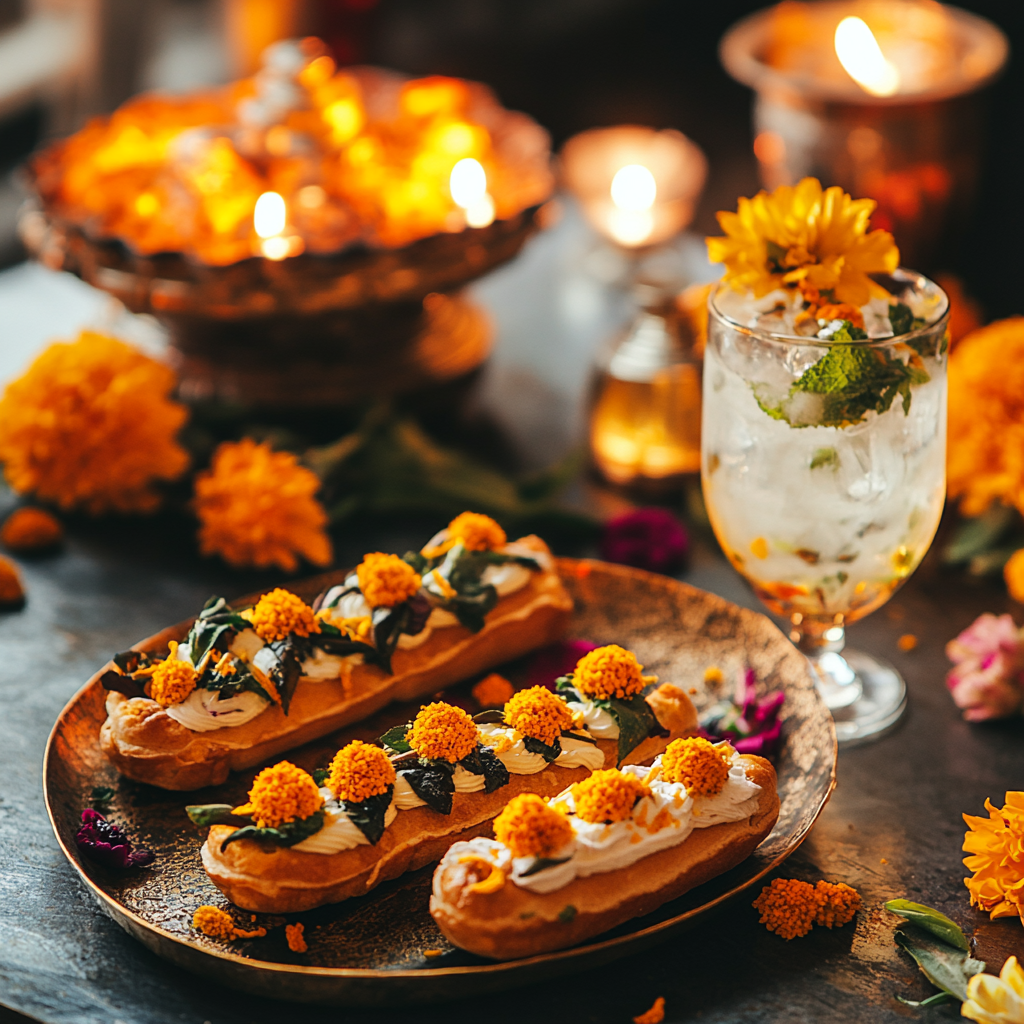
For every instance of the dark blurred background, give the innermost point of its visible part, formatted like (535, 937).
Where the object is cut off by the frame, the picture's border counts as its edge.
(571, 64)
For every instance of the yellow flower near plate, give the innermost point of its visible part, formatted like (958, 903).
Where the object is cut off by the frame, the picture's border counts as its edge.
(992, 1000)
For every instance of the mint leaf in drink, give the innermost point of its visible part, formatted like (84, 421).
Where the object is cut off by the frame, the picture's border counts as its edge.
(903, 321)
(841, 330)
(825, 457)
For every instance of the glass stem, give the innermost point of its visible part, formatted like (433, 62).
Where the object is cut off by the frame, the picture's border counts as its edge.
(838, 684)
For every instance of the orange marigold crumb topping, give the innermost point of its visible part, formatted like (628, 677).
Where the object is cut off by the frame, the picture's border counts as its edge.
(294, 937)
(31, 529)
(443, 732)
(219, 924)
(538, 713)
(172, 680)
(530, 827)
(477, 532)
(607, 795)
(360, 770)
(698, 764)
(356, 627)
(11, 590)
(492, 691)
(283, 793)
(387, 580)
(280, 614)
(788, 907)
(839, 904)
(610, 671)
(655, 1015)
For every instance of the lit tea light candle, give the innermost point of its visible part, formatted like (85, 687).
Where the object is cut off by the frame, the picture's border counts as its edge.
(269, 220)
(637, 186)
(468, 186)
(862, 58)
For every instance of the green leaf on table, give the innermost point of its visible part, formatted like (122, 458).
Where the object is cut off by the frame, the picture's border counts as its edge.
(208, 814)
(979, 534)
(946, 967)
(939, 997)
(931, 920)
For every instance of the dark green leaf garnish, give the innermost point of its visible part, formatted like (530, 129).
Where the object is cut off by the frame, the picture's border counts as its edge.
(584, 737)
(635, 718)
(101, 796)
(432, 784)
(491, 717)
(368, 815)
(483, 761)
(540, 863)
(535, 746)
(321, 775)
(288, 834)
(119, 682)
(567, 913)
(394, 740)
(416, 560)
(209, 814)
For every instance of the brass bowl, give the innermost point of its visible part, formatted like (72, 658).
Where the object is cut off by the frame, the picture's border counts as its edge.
(370, 950)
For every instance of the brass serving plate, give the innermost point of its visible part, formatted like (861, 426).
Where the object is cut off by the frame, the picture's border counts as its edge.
(370, 951)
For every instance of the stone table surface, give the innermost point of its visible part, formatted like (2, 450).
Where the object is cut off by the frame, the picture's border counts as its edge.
(893, 827)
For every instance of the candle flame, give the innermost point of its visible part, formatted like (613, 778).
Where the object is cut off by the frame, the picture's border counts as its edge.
(270, 215)
(859, 53)
(468, 186)
(634, 188)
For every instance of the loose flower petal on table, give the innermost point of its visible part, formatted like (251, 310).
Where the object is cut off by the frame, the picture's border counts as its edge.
(987, 678)
(648, 538)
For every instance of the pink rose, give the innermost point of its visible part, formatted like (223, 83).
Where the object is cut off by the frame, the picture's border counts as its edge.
(987, 679)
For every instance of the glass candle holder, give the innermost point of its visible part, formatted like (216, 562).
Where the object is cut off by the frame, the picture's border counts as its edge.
(879, 98)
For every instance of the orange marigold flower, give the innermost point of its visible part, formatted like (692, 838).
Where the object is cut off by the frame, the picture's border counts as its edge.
(839, 904)
(219, 924)
(386, 580)
(607, 795)
(12, 592)
(294, 937)
(280, 614)
(31, 529)
(172, 680)
(804, 236)
(258, 507)
(89, 426)
(986, 417)
(530, 827)
(477, 532)
(610, 671)
(360, 770)
(538, 713)
(443, 732)
(698, 764)
(492, 691)
(996, 861)
(283, 793)
(789, 907)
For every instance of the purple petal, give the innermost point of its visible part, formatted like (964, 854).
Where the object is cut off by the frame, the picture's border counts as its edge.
(648, 538)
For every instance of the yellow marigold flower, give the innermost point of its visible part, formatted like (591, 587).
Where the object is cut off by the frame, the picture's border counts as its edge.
(477, 532)
(607, 795)
(992, 1000)
(530, 827)
(986, 418)
(172, 680)
(283, 793)
(294, 937)
(788, 907)
(30, 529)
(12, 592)
(443, 732)
(538, 713)
(839, 904)
(387, 580)
(258, 507)
(804, 236)
(360, 770)
(280, 614)
(493, 691)
(89, 426)
(219, 924)
(996, 861)
(698, 764)
(610, 671)
(1013, 573)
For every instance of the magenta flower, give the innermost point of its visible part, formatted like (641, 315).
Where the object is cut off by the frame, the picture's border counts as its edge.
(649, 538)
(557, 660)
(108, 844)
(987, 678)
(749, 723)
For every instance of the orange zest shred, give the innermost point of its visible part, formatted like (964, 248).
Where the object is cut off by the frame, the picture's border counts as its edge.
(608, 672)
(219, 924)
(493, 691)
(30, 529)
(294, 937)
(698, 764)
(994, 843)
(283, 793)
(493, 877)
(538, 713)
(607, 795)
(530, 827)
(386, 580)
(172, 680)
(12, 591)
(655, 1015)
(281, 614)
(443, 732)
(360, 770)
